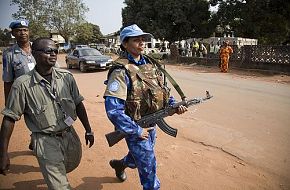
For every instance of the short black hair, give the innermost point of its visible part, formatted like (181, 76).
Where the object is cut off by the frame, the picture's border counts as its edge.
(122, 47)
(38, 41)
(125, 40)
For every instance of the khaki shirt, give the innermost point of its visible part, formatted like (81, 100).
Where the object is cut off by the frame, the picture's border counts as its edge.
(41, 112)
(117, 86)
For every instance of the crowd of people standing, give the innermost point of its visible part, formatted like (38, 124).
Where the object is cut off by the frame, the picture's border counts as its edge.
(193, 49)
(200, 50)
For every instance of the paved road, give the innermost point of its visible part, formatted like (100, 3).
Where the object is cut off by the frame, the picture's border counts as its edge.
(247, 118)
(238, 140)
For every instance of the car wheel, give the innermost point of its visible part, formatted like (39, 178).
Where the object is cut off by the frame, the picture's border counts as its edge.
(82, 67)
(68, 65)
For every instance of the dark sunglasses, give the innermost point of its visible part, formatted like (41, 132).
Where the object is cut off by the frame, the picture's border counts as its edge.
(48, 51)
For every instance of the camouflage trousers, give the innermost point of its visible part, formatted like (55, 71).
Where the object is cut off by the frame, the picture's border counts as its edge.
(141, 156)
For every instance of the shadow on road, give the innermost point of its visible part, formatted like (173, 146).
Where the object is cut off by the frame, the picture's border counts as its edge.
(96, 182)
(31, 185)
(22, 169)
(236, 71)
(20, 153)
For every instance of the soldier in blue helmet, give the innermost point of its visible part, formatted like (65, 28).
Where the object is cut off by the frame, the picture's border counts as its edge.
(17, 60)
(134, 89)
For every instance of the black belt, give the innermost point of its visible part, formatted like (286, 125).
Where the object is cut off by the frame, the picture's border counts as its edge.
(56, 134)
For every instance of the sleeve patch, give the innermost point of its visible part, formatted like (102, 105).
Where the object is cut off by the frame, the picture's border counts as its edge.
(114, 86)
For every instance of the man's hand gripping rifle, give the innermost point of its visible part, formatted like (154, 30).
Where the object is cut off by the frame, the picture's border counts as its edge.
(157, 118)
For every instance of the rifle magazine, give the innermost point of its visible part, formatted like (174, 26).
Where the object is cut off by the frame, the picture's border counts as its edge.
(166, 128)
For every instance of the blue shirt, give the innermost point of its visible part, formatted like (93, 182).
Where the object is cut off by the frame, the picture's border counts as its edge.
(16, 63)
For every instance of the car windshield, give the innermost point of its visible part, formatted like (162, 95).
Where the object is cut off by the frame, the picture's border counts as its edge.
(82, 46)
(89, 52)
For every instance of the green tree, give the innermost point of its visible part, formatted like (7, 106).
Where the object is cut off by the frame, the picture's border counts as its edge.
(97, 34)
(5, 36)
(60, 15)
(169, 19)
(34, 12)
(268, 21)
(87, 33)
(66, 15)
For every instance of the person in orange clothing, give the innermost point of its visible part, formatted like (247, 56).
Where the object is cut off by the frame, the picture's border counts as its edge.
(225, 52)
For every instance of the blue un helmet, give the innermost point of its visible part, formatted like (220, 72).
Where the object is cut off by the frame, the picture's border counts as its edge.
(133, 31)
(22, 23)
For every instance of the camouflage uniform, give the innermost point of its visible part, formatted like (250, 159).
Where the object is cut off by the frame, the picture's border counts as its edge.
(140, 89)
(57, 147)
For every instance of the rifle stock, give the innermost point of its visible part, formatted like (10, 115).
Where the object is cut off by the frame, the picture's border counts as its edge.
(114, 137)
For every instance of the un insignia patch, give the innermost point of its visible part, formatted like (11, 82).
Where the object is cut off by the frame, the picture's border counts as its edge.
(114, 86)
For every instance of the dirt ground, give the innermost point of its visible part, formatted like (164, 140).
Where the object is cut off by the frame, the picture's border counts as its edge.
(183, 164)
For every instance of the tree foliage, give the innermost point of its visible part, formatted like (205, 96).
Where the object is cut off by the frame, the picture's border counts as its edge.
(169, 19)
(34, 12)
(60, 15)
(66, 15)
(5, 36)
(268, 21)
(87, 33)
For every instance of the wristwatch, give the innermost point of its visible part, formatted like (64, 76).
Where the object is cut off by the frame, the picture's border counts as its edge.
(90, 133)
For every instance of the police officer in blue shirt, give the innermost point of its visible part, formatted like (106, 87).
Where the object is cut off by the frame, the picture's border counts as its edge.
(135, 88)
(17, 60)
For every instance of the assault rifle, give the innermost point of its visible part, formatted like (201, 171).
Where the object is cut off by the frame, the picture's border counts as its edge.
(157, 118)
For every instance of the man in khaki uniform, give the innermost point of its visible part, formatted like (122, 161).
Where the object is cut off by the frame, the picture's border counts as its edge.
(50, 101)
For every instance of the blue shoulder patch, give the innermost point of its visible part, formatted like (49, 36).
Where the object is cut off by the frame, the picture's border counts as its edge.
(114, 86)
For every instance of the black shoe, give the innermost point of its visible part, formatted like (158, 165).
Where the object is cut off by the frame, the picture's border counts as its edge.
(119, 169)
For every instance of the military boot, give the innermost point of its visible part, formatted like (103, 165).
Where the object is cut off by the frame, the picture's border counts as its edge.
(119, 169)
